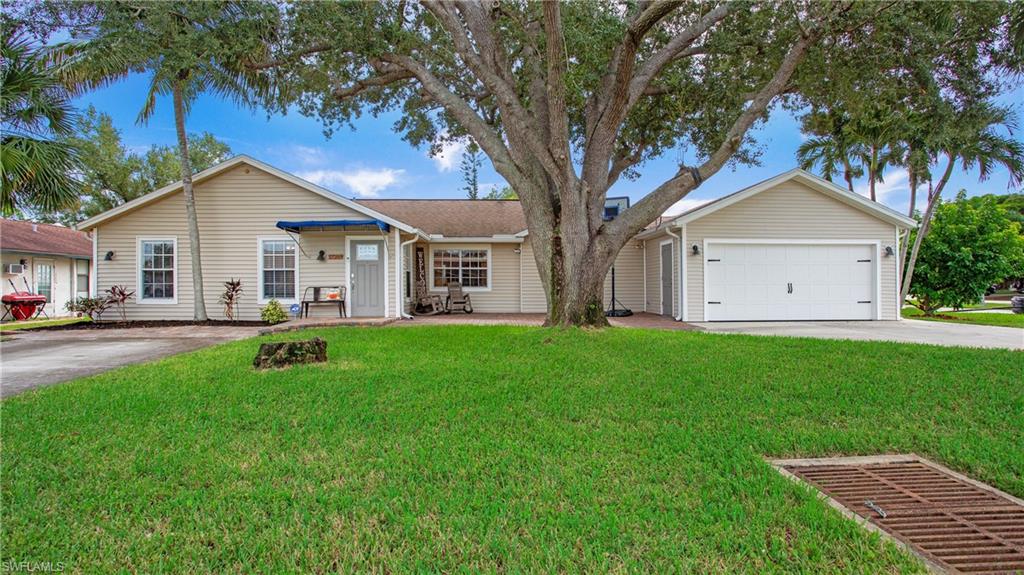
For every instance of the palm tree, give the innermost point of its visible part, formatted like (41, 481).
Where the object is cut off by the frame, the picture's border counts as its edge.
(187, 49)
(36, 167)
(875, 144)
(975, 140)
(830, 147)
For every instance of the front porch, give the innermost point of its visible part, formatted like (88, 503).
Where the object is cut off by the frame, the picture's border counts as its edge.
(641, 320)
(356, 261)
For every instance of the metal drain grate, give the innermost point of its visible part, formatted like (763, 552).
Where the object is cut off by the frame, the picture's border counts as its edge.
(955, 523)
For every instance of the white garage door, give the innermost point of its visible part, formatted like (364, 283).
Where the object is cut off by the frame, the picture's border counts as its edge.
(765, 282)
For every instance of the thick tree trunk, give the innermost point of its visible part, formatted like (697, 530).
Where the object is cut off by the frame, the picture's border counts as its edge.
(190, 205)
(576, 289)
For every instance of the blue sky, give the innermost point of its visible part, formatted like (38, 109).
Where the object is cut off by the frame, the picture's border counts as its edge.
(373, 161)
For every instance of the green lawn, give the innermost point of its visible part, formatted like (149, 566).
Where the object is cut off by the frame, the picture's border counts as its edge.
(470, 448)
(32, 324)
(975, 317)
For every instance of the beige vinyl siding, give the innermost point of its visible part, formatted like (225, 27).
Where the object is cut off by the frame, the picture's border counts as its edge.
(790, 210)
(629, 278)
(533, 298)
(234, 209)
(653, 255)
(503, 294)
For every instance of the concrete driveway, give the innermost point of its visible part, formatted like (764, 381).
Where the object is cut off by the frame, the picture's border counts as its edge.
(32, 359)
(909, 331)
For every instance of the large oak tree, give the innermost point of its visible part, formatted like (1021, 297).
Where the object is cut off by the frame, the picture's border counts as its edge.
(568, 98)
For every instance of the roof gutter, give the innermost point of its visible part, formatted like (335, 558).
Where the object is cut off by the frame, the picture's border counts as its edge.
(440, 239)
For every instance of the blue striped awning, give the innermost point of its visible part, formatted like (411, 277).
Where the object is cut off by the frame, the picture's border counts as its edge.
(322, 225)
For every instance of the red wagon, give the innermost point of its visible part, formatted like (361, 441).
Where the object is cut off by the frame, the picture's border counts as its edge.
(23, 304)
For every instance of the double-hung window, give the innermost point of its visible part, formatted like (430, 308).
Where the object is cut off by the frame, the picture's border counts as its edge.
(468, 266)
(81, 278)
(158, 279)
(278, 270)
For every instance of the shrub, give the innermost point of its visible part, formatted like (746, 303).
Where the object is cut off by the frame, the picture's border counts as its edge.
(972, 244)
(273, 312)
(229, 299)
(117, 296)
(89, 306)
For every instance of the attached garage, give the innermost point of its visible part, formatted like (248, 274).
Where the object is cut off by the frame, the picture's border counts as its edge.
(768, 281)
(792, 248)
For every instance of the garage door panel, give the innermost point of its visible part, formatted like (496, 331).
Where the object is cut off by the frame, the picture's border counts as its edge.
(790, 281)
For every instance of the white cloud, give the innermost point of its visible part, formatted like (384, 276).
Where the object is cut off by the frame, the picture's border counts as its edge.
(684, 205)
(449, 155)
(308, 155)
(896, 182)
(366, 183)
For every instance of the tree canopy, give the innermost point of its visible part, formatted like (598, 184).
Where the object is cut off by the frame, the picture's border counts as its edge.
(112, 174)
(37, 169)
(973, 243)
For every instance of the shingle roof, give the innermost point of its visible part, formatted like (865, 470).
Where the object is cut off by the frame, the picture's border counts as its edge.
(455, 218)
(21, 236)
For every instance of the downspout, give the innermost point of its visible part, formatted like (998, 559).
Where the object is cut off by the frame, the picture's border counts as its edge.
(401, 277)
(679, 290)
(645, 274)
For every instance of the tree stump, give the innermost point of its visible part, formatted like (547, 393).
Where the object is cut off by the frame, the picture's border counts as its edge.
(281, 354)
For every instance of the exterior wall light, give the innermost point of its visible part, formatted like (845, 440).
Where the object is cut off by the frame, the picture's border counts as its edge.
(695, 249)
(889, 251)
(108, 256)
(321, 256)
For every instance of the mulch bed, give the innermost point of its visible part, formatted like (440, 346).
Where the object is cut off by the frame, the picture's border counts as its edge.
(149, 323)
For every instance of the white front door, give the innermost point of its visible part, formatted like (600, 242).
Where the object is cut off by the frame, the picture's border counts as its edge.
(769, 282)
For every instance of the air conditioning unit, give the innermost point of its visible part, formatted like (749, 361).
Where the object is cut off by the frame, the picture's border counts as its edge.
(16, 269)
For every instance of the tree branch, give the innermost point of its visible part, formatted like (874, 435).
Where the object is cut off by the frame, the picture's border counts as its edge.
(677, 47)
(486, 137)
(686, 179)
(519, 129)
(383, 78)
(558, 116)
(291, 58)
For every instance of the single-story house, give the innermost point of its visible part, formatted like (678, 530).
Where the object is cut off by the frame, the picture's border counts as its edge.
(792, 247)
(51, 260)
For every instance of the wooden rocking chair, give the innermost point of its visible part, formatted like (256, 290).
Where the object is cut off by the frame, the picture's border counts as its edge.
(457, 299)
(426, 302)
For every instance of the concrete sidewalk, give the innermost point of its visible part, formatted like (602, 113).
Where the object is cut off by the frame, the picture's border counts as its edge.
(906, 331)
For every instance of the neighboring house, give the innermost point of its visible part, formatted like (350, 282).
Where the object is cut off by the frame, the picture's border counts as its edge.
(792, 247)
(51, 260)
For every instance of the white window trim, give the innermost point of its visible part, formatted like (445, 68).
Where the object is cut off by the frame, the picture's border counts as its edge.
(259, 273)
(88, 284)
(490, 267)
(139, 299)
